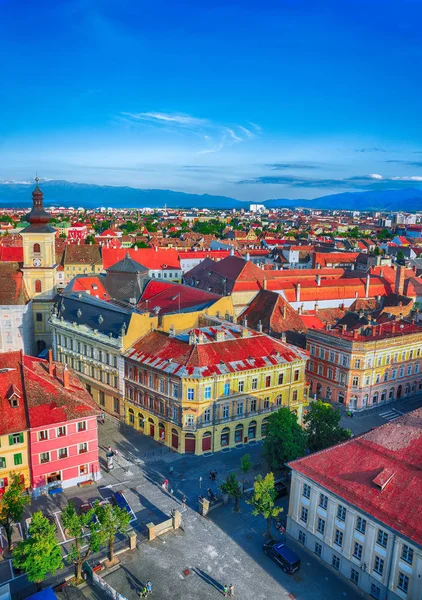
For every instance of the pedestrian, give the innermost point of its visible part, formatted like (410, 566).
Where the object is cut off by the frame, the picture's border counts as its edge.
(225, 591)
(143, 592)
(149, 587)
(183, 501)
(231, 590)
(171, 470)
(166, 484)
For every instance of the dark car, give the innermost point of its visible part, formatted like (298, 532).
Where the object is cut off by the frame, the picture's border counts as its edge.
(84, 508)
(118, 498)
(281, 489)
(283, 556)
(51, 519)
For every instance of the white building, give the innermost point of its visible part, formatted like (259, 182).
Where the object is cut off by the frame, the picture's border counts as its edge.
(357, 506)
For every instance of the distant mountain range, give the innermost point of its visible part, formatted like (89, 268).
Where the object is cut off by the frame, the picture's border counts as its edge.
(65, 193)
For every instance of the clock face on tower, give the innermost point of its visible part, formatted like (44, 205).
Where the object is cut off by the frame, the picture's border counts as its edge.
(37, 262)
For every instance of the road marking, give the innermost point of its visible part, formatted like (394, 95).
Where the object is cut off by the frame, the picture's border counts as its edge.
(12, 573)
(59, 524)
(109, 487)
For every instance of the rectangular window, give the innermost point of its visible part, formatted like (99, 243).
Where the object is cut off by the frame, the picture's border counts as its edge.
(332, 357)
(44, 457)
(357, 550)
(226, 411)
(15, 438)
(150, 381)
(321, 525)
(266, 403)
(191, 394)
(409, 370)
(320, 370)
(341, 512)
(227, 389)
(280, 378)
(62, 453)
(83, 469)
(175, 413)
(355, 382)
(39, 317)
(382, 538)
(254, 385)
(357, 363)
(175, 390)
(17, 458)
(240, 386)
(240, 408)
(323, 501)
(296, 375)
(82, 448)
(268, 381)
(102, 398)
(338, 538)
(306, 490)
(318, 549)
(354, 576)
(207, 393)
(375, 591)
(403, 583)
(42, 435)
(335, 562)
(302, 537)
(116, 405)
(81, 426)
(304, 514)
(294, 396)
(379, 565)
(361, 525)
(161, 388)
(207, 415)
(253, 405)
(2, 462)
(393, 374)
(407, 554)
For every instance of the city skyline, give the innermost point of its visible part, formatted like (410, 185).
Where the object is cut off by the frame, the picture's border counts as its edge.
(288, 99)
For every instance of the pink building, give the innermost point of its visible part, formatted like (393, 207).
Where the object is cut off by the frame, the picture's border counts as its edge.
(63, 439)
(77, 231)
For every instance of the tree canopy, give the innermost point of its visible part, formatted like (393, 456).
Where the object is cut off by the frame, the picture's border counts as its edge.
(322, 426)
(263, 499)
(39, 554)
(76, 526)
(112, 520)
(12, 505)
(285, 439)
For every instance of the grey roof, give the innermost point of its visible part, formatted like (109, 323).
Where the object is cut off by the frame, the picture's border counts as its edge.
(35, 228)
(127, 265)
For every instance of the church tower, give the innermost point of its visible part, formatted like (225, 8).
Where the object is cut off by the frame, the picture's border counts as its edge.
(39, 267)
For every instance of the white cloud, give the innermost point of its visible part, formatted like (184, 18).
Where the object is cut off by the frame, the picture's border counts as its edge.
(375, 176)
(216, 135)
(409, 178)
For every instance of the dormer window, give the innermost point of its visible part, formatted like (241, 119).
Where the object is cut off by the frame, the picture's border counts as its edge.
(13, 396)
(14, 402)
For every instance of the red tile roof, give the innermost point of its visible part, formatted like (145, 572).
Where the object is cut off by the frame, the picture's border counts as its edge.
(91, 284)
(46, 399)
(12, 253)
(233, 354)
(169, 297)
(353, 469)
(150, 258)
(12, 287)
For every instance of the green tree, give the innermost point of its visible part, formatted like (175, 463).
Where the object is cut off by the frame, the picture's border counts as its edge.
(285, 439)
(90, 239)
(77, 526)
(246, 463)
(231, 486)
(39, 554)
(140, 245)
(113, 520)
(322, 426)
(12, 505)
(263, 500)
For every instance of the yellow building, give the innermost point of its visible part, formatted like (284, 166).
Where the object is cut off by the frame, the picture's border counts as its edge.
(81, 259)
(13, 426)
(39, 268)
(211, 387)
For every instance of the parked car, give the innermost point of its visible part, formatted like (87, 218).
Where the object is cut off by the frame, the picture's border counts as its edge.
(281, 489)
(51, 519)
(84, 508)
(288, 560)
(119, 499)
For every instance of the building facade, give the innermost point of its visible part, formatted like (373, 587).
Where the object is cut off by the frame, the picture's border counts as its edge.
(212, 387)
(355, 507)
(365, 366)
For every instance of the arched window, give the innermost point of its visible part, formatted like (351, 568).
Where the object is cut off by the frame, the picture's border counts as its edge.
(36, 248)
(38, 286)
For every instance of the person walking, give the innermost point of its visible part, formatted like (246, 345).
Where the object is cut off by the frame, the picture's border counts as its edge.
(231, 590)
(225, 591)
(183, 501)
(149, 587)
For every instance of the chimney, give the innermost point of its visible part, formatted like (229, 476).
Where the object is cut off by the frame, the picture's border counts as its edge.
(283, 336)
(399, 285)
(264, 283)
(248, 256)
(368, 281)
(343, 328)
(298, 292)
(355, 333)
(66, 377)
(300, 309)
(220, 335)
(201, 337)
(259, 327)
(50, 363)
(284, 311)
(318, 280)
(245, 322)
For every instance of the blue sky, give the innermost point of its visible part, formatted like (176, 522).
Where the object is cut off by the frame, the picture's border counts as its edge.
(283, 98)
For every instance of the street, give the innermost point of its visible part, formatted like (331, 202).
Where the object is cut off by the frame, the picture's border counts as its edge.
(207, 553)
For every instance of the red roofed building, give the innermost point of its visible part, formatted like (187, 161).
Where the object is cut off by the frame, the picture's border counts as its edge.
(357, 506)
(50, 419)
(334, 259)
(161, 263)
(77, 231)
(211, 387)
